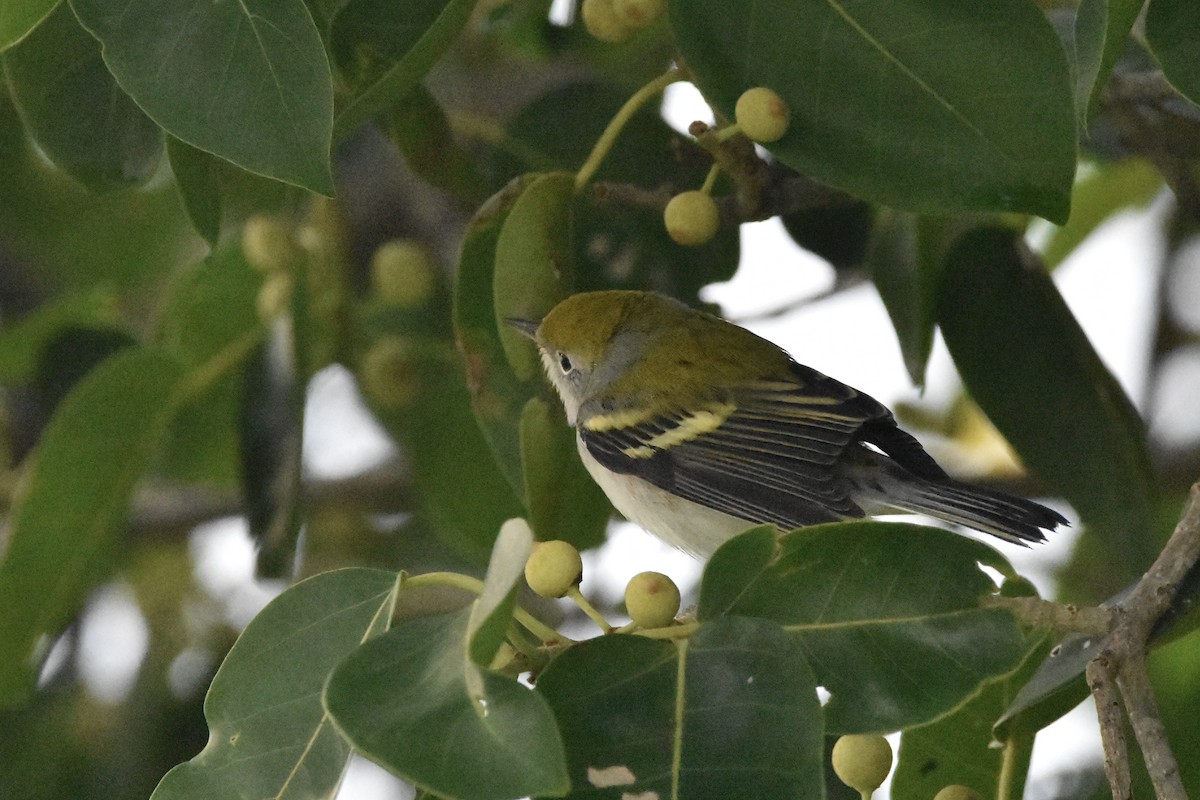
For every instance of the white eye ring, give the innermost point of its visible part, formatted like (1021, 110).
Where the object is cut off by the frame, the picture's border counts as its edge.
(564, 363)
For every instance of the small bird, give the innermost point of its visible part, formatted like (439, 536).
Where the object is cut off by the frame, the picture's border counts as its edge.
(697, 429)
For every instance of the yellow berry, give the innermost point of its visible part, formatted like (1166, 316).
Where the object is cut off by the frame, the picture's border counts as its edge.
(762, 115)
(691, 218)
(638, 13)
(862, 761)
(553, 568)
(601, 21)
(268, 244)
(274, 297)
(652, 600)
(402, 273)
(389, 373)
(957, 792)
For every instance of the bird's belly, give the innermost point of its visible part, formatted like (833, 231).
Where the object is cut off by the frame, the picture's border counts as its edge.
(681, 523)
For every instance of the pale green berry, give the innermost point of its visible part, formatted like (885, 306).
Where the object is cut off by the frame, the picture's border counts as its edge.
(274, 297)
(691, 218)
(553, 568)
(652, 600)
(268, 244)
(957, 792)
(389, 373)
(403, 274)
(601, 21)
(862, 761)
(762, 115)
(638, 13)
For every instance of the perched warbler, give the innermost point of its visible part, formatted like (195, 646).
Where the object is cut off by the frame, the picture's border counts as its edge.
(697, 429)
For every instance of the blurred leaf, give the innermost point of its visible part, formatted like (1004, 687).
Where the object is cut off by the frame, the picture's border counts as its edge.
(199, 188)
(270, 112)
(931, 107)
(1109, 188)
(269, 735)
(19, 17)
(961, 748)
(563, 500)
(861, 598)
(385, 49)
(74, 109)
(1173, 33)
(533, 269)
(491, 613)
(744, 723)
(497, 397)
(904, 274)
(1032, 370)
(839, 234)
(1055, 687)
(73, 500)
(70, 354)
(402, 700)
(1101, 33)
(423, 135)
(23, 341)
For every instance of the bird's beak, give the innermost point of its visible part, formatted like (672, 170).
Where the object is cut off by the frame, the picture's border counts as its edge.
(527, 327)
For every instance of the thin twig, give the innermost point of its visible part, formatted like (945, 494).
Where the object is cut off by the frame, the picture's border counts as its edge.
(1112, 730)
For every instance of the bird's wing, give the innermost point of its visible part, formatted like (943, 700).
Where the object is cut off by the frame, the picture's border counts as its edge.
(767, 453)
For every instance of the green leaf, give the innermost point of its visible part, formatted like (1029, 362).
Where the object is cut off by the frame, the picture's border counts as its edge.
(19, 17)
(421, 131)
(928, 106)
(75, 111)
(1098, 195)
(730, 712)
(863, 597)
(268, 733)
(246, 81)
(1030, 367)
(1173, 33)
(386, 49)
(563, 500)
(73, 500)
(402, 700)
(492, 611)
(533, 264)
(903, 273)
(199, 187)
(1101, 33)
(961, 748)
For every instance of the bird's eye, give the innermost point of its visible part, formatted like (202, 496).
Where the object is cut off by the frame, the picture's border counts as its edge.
(564, 362)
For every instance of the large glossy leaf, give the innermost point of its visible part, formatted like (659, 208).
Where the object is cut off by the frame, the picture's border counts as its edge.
(1030, 367)
(1101, 33)
(247, 81)
(72, 502)
(405, 701)
(730, 712)
(74, 109)
(269, 735)
(199, 187)
(962, 748)
(19, 17)
(385, 49)
(887, 614)
(930, 105)
(1173, 33)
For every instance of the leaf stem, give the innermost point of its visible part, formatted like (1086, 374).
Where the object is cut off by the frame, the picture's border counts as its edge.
(607, 139)
(465, 582)
(208, 373)
(1006, 780)
(586, 606)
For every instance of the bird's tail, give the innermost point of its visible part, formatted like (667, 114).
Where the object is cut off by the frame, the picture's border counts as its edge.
(1013, 519)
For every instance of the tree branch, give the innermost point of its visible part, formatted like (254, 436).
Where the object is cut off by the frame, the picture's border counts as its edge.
(1121, 662)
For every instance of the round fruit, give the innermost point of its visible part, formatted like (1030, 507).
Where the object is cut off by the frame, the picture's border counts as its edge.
(601, 21)
(692, 218)
(274, 296)
(402, 273)
(268, 245)
(638, 13)
(652, 600)
(553, 568)
(389, 374)
(762, 115)
(862, 761)
(957, 792)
